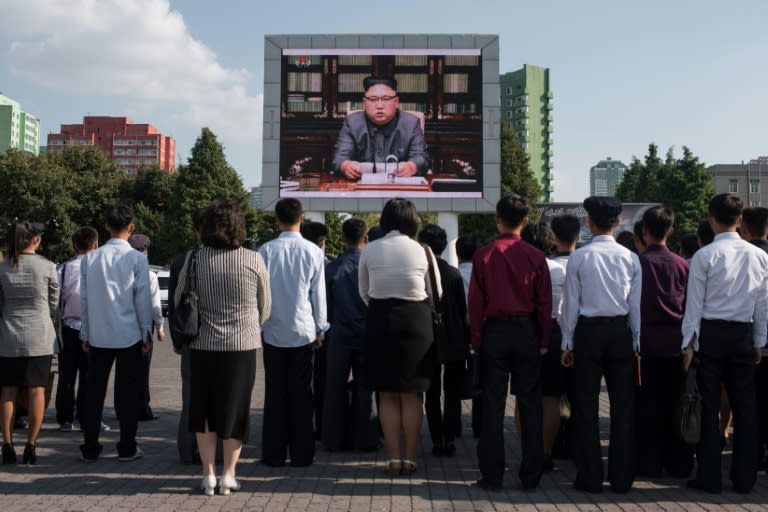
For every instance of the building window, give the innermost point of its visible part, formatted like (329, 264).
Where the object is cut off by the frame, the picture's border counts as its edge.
(754, 202)
(754, 186)
(733, 186)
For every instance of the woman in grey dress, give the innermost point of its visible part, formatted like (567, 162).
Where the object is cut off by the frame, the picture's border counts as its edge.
(29, 296)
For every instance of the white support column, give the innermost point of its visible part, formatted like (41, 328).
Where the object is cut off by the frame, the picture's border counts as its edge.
(449, 221)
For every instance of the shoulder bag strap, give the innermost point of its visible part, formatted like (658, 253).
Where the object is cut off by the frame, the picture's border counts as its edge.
(432, 280)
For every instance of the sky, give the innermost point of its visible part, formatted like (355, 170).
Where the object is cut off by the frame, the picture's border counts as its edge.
(624, 75)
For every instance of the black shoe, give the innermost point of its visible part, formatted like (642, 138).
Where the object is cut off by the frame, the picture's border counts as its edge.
(587, 488)
(487, 485)
(548, 465)
(301, 463)
(695, 484)
(29, 457)
(9, 454)
(272, 464)
(449, 450)
(149, 417)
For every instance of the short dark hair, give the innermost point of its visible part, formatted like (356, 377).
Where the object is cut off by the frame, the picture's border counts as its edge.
(637, 230)
(689, 244)
(401, 215)
(289, 211)
(466, 246)
(627, 239)
(566, 228)
(755, 219)
(726, 209)
(20, 236)
(315, 232)
(512, 209)
(435, 237)
(370, 81)
(705, 233)
(658, 220)
(118, 217)
(540, 236)
(84, 238)
(375, 233)
(223, 225)
(353, 230)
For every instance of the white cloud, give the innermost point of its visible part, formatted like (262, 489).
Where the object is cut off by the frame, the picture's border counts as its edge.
(139, 50)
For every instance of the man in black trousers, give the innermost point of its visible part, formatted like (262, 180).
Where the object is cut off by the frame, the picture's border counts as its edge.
(601, 333)
(725, 324)
(510, 303)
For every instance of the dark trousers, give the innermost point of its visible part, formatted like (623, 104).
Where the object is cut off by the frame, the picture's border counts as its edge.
(319, 362)
(510, 348)
(145, 411)
(185, 440)
(287, 406)
(444, 421)
(128, 369)
(347, 424)
(761, 384)
(73, 367)
(726, 354)
(603, 348)
(658, 446)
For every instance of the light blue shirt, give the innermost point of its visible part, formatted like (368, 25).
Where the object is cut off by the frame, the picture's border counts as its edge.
(297, 281)
(115, 299)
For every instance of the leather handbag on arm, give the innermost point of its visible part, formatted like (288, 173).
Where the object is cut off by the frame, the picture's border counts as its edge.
(688, 411)
(185, 321)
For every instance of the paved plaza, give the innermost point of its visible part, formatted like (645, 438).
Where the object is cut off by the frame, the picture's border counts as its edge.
(337, 482)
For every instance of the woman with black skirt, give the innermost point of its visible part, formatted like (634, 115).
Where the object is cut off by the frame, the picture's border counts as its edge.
(29, 296)
(233, 287)
(398, 348)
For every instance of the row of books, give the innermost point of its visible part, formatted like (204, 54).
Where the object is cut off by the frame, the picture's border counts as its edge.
(355, 60)
(410, 60)
(351, 82)
(460, 108)
(412, 82)
(305, 82)
(297, 103)
(455, 82)
(418, 107)
(343, 107)
(462, 60)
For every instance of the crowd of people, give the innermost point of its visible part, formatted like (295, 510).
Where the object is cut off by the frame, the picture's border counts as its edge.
(359, 348)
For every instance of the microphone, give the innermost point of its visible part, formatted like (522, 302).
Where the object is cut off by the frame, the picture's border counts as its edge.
(391, 175)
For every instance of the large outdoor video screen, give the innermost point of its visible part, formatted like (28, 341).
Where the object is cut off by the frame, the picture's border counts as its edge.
(378, 123)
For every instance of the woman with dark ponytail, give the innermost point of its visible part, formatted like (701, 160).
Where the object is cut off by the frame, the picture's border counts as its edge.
(29, 296)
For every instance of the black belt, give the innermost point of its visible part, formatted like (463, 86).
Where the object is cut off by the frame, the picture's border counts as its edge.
(603, 319)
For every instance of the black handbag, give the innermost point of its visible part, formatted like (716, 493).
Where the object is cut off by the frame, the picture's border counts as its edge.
(185, 320)
(688, 410)
(470, 387)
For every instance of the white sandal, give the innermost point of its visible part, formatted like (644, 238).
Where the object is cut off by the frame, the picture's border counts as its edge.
(228, 483)
(208, 485)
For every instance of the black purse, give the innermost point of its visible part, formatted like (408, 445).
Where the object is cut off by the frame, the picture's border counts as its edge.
(185, 321)
(688, 410)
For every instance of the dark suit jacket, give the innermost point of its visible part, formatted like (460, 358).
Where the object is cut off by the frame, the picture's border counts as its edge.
(454, 308)
(403, 138)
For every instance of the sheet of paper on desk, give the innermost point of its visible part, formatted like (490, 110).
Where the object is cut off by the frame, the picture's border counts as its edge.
(381, 179)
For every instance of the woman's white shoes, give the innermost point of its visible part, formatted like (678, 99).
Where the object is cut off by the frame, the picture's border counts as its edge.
(208, 485)
(227, 484)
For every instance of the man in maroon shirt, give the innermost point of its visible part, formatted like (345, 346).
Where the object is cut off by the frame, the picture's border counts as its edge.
(658, 447)
(510, 304)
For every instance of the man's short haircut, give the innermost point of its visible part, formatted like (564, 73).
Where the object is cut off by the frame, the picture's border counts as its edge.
(755, 219)
(704, 233)
(370, 81)
(435, 237)
(84, 238)
(637, 230)
(566, 228)
(223, 226)
(689, 244)
(540, 236)
(315, 232)
(401, 215)
(466, 246)
(375, 233)
(658, 220)
(118, 217)
(627, 239)
(512, 209)
(353, 230)
(289, 211)
(726, 209)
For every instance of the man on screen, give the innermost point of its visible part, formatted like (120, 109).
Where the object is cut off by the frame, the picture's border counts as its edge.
(381, 134)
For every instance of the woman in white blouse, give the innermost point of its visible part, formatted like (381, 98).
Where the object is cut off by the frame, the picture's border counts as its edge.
(398, 350)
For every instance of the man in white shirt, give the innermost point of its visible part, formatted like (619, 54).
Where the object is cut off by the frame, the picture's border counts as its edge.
(601, 333)
(298, 321)
(116, 312)
(725, 324)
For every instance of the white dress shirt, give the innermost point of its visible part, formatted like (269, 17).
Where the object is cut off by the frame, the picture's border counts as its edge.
(603, 279)
(728, 280)
(70, 291)
(557, 274)
(296, 270)
(115, 301)
(465, 269)
(157, 309)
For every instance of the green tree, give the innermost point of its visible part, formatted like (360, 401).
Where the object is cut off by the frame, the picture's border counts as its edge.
(207, 176)
(516, 174)
(149, 193)
(642, 180)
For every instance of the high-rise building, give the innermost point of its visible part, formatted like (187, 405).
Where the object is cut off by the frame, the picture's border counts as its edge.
(18, 129)
(526, 108)
(605, 177)
(254, 198)
(748, 181)
(127, 144)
